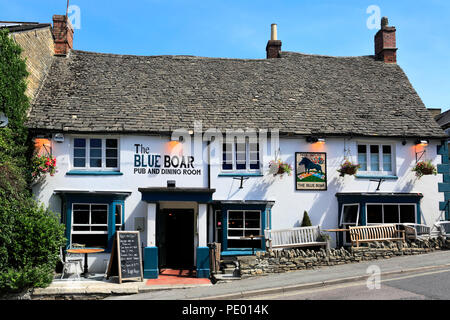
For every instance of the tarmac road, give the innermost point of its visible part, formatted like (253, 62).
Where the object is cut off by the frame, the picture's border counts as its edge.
(425, 284)
(415, 286)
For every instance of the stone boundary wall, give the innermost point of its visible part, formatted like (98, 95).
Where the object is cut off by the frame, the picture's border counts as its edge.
(278, 261)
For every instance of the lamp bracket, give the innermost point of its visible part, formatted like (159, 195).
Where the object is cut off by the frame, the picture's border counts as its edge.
(242, 178)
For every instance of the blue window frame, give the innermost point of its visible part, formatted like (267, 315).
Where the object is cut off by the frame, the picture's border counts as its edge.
(239, 220)
(378, 208)
(93, 219)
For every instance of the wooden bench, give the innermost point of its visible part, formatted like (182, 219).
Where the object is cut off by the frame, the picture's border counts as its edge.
(294, 237)
(384, 232)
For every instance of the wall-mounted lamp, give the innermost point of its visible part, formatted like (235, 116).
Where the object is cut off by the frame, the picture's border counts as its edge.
(191, 132)
(422, 142)
(419, 154)
(403, 142)
(176, 139)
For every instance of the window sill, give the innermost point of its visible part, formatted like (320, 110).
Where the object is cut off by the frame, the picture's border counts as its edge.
(239, 252)
(243, 174)
(93, 173)
(371, 176)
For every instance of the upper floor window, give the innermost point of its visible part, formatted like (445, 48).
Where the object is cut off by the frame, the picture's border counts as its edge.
(376, 158)
(95, 153)
(241, 156)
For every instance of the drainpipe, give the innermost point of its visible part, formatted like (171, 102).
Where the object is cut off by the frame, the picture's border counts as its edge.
(208, 145)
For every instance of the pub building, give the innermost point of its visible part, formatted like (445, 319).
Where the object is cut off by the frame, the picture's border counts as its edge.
(185, 149)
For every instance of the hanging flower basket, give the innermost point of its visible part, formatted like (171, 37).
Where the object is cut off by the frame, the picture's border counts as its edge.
(277, 167)
(348, 168)
(41, 166)
(423, 168)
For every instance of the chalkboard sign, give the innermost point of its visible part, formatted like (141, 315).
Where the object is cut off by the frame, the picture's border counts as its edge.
(126, 260)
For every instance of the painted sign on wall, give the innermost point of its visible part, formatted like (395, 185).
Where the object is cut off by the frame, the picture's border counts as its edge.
(311, 171)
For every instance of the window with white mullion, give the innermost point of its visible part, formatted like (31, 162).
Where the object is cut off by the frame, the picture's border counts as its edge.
(376, 158)
(243, 223)
(253, 155)
(241, 155)
(227, 156)
(96, 153)
(90, 218)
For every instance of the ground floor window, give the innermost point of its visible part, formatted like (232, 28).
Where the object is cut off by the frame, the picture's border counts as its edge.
(390, 213)
(93, 224)
(90, 224)
(241, 225)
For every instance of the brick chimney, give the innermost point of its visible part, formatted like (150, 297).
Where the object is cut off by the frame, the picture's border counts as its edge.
(385, 44)
(273, 47)
(62, 34)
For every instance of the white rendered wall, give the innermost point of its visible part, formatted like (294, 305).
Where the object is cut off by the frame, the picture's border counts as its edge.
(289, 204)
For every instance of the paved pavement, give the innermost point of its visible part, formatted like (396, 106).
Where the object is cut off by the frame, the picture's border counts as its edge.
(303, 279)
(98, 287)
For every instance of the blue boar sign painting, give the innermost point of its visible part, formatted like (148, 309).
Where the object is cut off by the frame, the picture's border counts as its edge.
(311, 171)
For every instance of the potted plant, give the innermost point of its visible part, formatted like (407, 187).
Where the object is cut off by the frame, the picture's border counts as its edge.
(306, 222)
(41, 165)
(348, 168)
(423, 168)
(277, 167)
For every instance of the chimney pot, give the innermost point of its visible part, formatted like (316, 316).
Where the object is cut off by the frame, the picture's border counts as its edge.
(273, 47)
(273, 32)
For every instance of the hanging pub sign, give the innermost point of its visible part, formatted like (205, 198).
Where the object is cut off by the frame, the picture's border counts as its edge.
(311, 171)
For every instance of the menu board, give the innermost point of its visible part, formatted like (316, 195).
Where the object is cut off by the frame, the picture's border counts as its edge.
(126, 260)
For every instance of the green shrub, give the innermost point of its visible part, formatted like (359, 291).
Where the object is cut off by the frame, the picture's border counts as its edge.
(30, 238)
(306, 222)
(30, 235)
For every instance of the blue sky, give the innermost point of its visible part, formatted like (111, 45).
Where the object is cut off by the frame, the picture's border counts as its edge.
(241, 28)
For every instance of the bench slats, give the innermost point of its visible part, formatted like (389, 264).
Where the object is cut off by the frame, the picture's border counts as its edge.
(375, 233)
(295, 237)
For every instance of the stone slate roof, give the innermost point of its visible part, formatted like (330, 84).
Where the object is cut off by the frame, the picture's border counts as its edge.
(22, 26)
(443, 119)
(297, 93)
